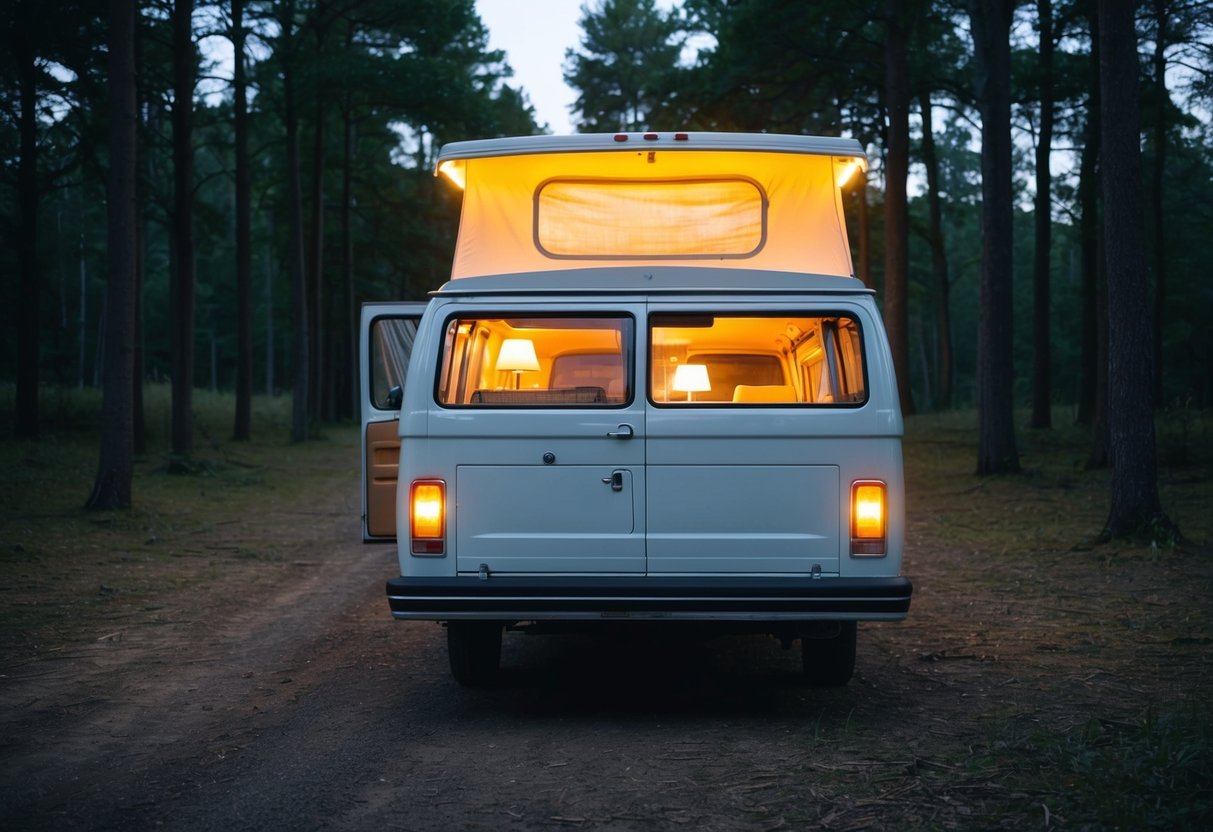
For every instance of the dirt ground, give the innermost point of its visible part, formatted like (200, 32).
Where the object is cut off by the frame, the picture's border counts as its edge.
(271, 692)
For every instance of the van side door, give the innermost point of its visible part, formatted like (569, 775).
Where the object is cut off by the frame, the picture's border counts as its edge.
(386, 337)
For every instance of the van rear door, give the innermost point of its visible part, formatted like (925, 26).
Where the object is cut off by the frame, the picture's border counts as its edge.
(386, 338)
(742, 473)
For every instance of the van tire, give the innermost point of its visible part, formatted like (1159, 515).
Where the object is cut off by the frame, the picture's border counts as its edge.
(474, 649)
(829, 662)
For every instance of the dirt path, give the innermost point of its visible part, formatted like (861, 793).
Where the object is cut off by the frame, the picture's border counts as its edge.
(293, 700)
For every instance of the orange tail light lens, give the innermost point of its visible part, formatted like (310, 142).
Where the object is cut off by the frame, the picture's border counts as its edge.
(427, 517)
(868, 513)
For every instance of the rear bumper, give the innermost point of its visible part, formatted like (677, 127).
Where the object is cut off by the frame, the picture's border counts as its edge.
(522, 598)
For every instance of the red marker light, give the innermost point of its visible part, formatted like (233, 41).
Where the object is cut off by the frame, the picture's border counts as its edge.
(650, 137)
(621, 137)
(681, 137)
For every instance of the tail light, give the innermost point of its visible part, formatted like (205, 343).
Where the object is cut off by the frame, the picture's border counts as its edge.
(869, 513)
(427, 517)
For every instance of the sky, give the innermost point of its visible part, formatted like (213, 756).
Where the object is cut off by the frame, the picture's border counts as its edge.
(534, 35)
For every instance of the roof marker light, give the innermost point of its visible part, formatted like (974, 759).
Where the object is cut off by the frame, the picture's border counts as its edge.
(650, 137)
(621, 137)
(681, 137)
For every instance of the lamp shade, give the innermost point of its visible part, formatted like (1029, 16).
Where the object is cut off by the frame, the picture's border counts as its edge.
(691, 378)
(518, 356)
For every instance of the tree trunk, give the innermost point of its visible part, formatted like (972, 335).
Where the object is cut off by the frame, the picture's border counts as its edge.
(269, 308)
(112, 488)
(183, 234)
(996, 451)
(896, 226)
(1135, 506)
(1042, 385)
(1099, 457)
(1089, 230)
(28, 336)
(352, 400)
(242, 428)
(939, 263)
(298, 272)
(1162, 12)
(138, 421)
(317, 255)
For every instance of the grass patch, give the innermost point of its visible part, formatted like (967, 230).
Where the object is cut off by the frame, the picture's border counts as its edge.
(65, 571)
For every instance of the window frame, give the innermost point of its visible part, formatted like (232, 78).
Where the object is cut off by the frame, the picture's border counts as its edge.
(837, 372)
(627, 332)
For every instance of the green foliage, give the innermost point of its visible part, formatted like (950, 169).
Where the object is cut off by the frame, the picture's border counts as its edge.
(1151, 772)
(626, 66)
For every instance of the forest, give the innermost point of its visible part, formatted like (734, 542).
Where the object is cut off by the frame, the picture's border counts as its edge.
(202, 194)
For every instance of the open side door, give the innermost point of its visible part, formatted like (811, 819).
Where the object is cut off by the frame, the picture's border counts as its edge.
(386, 337)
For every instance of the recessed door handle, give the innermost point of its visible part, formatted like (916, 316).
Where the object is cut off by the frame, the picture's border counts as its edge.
(622, 432)
(615, 481)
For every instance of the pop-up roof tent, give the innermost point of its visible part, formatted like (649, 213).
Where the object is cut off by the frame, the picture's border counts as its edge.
(726, 200)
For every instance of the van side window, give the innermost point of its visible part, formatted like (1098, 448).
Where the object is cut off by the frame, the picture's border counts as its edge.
(391, 344)
(756, 360)
(536, 362)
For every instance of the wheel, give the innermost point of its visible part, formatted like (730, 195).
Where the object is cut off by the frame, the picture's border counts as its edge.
(474, 648)
(830, 661)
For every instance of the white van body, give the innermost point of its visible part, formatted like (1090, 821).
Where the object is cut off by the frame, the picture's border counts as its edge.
(652, 391)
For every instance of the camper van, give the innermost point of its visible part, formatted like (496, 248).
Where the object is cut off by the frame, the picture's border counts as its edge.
(653, 393)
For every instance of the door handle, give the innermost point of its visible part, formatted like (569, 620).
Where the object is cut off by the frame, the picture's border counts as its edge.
(615, 481)
(622, 432)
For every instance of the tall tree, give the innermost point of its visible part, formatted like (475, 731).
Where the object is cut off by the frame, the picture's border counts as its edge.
(1042, 388)
(244, 255)
(1135, 506)
(112, 487)
(183, 233)
(1089, 236)
(320, 21)
(295, 259)
(896, 223)
(939, 262)
(622, 71)
(996, 450)
(1162, 15)
(26, 28)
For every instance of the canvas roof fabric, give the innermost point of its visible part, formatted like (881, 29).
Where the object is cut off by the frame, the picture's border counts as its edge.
(725, 200)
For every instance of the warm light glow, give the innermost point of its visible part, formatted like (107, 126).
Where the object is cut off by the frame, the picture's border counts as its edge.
(517, 356)
(453, 169)
(428, 509)
(847, 170)
(691, 379)
(868, 508)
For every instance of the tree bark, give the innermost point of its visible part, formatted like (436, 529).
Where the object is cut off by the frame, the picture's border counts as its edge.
(295, 259)
(242, 428)
(939, 263)
(1042, 385)
(1091, 354)
(112, 488)
(351, 400)
(1135, 507)
(183, 234)
(1162, 13)
(996, 451)
(317, 256)
(897, 165)
(28, 335)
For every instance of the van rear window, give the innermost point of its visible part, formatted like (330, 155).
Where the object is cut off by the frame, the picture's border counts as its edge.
(680, 218)
(536, 362)
(756, 360)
